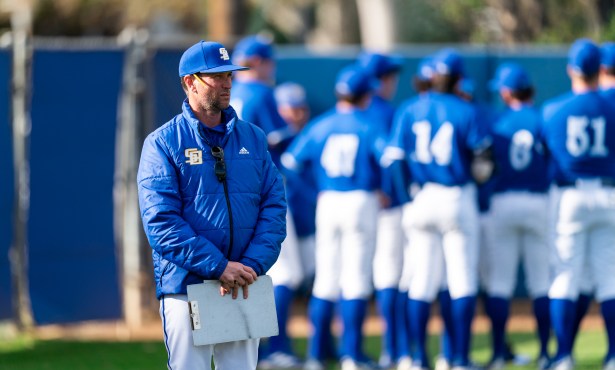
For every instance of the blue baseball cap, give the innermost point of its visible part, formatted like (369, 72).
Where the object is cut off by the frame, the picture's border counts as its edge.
(379, 64)
(253, 46)
(584, 57)
(354, 81)
(607, 54)
(466, 86)
(290, 94)
(206, 57)
(510, 76)
(448, 62)
(425, 70)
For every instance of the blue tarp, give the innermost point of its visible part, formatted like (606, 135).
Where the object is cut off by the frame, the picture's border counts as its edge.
(6, 185)
(73, 265)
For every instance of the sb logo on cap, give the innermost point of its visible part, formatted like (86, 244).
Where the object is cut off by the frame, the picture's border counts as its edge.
(224, 54)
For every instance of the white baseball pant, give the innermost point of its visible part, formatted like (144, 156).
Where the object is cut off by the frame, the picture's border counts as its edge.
(184, 355)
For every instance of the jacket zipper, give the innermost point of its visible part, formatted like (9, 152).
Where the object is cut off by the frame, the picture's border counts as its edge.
(230, 217)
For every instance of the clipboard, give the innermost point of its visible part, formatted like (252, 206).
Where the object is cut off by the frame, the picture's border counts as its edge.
(221, 319)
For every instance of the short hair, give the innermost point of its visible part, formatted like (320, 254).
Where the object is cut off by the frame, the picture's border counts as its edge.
(523, 94)
(183, 83)
(445, 83)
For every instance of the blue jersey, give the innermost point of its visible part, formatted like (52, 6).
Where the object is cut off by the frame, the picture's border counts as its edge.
(609, 94)
(301, 195)
(519, 153)
(394, 180)
(254, 102)
(342, 149)
(485, 117)
(579, 131)
(437, 133)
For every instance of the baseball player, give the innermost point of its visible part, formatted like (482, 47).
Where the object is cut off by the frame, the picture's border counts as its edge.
(388, 260)
(341, 149)
(579, 132)
(518, 221)
(439, 138)
(253, 94)
(254, 101)
(296, 261)
(607, 70)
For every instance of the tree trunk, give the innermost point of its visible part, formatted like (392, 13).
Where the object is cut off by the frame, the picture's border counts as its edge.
(377, 23)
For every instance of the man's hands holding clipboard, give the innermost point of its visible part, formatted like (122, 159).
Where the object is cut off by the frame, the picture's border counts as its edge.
(236, 275)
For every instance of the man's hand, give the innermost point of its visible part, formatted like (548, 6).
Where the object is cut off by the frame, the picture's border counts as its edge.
(236, 275)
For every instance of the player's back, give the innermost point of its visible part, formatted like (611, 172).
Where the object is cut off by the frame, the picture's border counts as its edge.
(579, 130)
(441, 132)
(254, 102)
(341, 148)
(518, 152)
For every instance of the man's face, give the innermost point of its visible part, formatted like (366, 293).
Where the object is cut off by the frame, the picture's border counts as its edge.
(214, 90)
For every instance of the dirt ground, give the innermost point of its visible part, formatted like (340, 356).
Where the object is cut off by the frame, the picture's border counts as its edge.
(521, 320)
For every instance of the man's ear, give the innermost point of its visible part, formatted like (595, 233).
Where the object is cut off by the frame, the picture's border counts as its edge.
(189, 81)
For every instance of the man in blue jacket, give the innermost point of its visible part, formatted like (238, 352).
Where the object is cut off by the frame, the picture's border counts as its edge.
(197, 171)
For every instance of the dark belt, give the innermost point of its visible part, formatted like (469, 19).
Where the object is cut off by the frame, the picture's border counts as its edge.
(604, 181)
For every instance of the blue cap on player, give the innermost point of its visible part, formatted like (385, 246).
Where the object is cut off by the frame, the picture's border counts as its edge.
(510, 76)
(425, 70)
(253, 46)
(448, 62)
(354, 81)
(290, 94)
(466, 86)
(584, 57)
(206, 57)
(380, 64)
(607, 54)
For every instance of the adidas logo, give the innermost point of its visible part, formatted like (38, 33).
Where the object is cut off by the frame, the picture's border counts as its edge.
(243, 150)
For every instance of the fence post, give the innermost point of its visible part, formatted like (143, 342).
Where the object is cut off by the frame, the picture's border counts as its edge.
(128, 229)
(21, 25)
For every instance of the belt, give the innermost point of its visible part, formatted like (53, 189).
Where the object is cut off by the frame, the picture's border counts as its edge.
(602, 181)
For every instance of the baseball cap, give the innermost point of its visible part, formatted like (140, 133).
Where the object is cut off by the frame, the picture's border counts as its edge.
(607, 54)
(206, 57)
(379, 64)
(291, 94)
(354, 80)
(510, 76)
(584, 57)
(253, 46)
(448, 62)
(467, 86)
(425, 70)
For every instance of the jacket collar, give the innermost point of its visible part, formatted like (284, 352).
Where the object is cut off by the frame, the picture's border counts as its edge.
(229, 118)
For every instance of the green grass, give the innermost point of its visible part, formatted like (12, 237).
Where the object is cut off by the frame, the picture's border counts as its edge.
(25, 354)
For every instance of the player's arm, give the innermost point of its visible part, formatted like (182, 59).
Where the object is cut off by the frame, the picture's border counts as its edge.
(482, 165)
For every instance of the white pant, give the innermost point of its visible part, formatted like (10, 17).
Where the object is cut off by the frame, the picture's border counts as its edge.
(183, 355)
(288, 269)
(389, 256)
(585, 240)
(444, 231)
(518, 226)
(345, 243)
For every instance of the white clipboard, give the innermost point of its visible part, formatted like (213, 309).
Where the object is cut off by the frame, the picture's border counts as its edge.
(221, 319)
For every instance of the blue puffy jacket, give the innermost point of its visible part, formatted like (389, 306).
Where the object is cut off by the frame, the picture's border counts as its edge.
(184, 208)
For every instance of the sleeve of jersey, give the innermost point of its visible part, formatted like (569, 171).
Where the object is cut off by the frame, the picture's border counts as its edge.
(395, 150)
(269, 119)
(297, 154)
(270, 231)
(168, 233)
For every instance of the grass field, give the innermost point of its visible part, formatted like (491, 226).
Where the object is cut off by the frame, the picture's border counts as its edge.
(148, 355)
